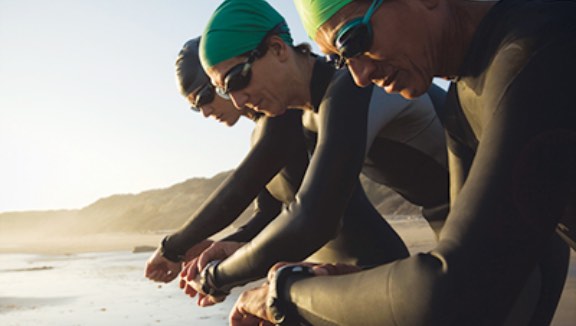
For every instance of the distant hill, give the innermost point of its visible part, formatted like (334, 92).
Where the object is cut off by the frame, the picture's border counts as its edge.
(157, 210)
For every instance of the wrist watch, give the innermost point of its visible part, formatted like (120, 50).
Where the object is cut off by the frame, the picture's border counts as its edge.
(170, 255)
(207, 280)
(282, 311)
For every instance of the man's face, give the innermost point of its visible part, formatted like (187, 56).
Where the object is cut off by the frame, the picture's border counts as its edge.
(267, 91)
(400, 58)
(218, 108)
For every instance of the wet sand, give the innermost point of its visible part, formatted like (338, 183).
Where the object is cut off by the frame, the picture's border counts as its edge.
(97, 280)
(93, 289)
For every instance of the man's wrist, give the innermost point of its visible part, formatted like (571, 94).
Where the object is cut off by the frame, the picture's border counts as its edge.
(169, 254)
(208, 280)
(282, 311)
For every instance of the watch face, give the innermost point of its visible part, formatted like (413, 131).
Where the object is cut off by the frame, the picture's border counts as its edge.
(278, 317)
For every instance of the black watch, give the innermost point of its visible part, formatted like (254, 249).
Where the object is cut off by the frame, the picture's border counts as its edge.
(282, 311)
(170, 255)
(207, 280)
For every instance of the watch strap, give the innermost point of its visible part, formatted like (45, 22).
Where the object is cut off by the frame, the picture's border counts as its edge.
(208, 280)
(281, 309)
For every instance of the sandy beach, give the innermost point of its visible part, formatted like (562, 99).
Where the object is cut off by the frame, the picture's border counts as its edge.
(98, 280)
(94, 289)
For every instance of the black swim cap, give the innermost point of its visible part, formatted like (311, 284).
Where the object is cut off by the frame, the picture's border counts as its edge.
(189, 71)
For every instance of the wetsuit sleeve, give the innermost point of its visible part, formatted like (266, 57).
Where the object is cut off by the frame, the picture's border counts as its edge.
(459, 163)
(520, 183)
(315, 216)
(460, 153)
(266, 158)
(266, 208)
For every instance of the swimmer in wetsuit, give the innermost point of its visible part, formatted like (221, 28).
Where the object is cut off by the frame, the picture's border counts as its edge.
(270, 173)
(399, 142)
(511, 121)
(273, 170)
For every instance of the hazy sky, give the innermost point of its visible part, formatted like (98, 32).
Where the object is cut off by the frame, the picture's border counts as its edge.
(89, 105)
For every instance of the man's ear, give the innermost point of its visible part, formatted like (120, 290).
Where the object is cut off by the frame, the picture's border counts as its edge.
(278, 47)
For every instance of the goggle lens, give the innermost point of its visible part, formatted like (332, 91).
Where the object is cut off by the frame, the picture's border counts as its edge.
(355, 37)
(355, 41)
(237, 78)
(204, 96)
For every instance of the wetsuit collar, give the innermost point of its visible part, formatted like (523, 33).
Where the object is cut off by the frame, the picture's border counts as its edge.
(321, 78)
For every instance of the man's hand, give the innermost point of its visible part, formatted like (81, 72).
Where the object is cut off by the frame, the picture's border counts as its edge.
(251, 310)
(197, 250)
(219, 250)
(190, 276)
(160, 269)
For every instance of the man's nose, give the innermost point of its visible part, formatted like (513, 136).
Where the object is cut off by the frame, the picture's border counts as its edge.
(361, 69)
(206, 110)
(238, 99)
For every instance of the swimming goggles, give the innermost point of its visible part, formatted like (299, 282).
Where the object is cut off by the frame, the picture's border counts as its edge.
(205, 95)
(239, 76)
(354, 38)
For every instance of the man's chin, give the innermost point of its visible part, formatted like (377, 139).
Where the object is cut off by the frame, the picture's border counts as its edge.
(409, 93)
(269, 114)
(398, 87)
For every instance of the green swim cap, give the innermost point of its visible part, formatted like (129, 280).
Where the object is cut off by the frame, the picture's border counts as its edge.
(314, 13)
(236, 27)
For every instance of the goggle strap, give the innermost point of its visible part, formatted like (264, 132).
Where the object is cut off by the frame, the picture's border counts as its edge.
(375, 4)
(246, 68)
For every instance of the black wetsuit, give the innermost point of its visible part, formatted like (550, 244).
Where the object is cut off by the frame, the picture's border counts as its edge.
(511, 120)
(356, 128)
(360, 235)
(272, 171)
(364, 239)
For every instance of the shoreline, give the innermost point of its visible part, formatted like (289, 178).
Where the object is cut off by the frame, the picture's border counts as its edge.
(40, 278)
(414, 231)
(58, 245)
